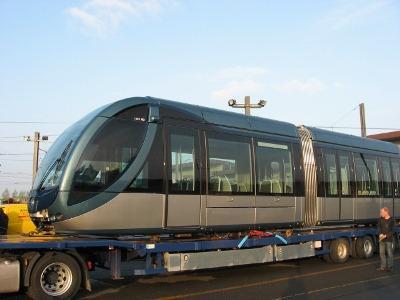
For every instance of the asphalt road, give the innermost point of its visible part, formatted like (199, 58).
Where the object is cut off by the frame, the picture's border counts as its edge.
(301, 279)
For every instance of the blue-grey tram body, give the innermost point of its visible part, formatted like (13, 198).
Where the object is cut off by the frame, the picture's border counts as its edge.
(149, 166)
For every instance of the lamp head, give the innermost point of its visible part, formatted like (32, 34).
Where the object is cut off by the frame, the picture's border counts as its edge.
(231, 102)
(262, 103)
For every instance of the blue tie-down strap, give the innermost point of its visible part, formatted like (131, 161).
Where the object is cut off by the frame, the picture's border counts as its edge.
(281, 238)
(243, 241)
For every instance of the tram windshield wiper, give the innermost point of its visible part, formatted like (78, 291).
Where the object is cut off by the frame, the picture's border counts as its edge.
(55, 169)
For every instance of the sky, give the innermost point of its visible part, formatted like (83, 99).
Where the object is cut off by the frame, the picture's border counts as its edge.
(313, 61)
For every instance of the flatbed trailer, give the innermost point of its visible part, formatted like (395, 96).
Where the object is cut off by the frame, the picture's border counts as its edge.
(57, 266)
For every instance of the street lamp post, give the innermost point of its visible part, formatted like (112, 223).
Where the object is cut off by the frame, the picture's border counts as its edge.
(246, 105)
(36, 148)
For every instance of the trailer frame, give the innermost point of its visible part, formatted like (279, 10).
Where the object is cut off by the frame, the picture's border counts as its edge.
(167, 254)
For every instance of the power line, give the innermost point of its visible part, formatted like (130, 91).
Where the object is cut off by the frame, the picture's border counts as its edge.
(8, 159)
(14, 173)
(15, 182)
(355, 128)
(44, 142)
(344, 115)
(14, 154)
(15, 177)
(21, 136)
(30, 122)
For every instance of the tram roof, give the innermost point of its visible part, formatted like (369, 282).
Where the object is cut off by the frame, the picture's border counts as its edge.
(336, 138)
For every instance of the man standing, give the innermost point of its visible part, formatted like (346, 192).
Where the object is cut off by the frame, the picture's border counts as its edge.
(385, 229)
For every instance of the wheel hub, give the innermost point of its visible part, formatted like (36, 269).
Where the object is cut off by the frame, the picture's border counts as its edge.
(56, 279)
(367, 247)
(51, 277)
(342, 251)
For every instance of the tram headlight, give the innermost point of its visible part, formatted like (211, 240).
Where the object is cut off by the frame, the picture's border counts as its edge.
(32, 204)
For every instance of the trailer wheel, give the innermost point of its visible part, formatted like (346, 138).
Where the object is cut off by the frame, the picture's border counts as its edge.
(327, 257)
(54, 276)
(365, 247)
(340, 251)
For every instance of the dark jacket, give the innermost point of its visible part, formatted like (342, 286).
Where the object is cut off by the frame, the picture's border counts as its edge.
(386, 226)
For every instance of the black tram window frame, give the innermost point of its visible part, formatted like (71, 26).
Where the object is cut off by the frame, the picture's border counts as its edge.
(320, 170)
(159, 142)
(230, 137)
(383, 192)
(294, 171)
(396, 191)
(299, 185)
(327, 182)
(188, 130)
(367, 156)
(352, 182)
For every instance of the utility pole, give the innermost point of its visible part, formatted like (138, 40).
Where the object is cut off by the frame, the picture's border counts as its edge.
(36, 142)
(362, 120)
(246, 105)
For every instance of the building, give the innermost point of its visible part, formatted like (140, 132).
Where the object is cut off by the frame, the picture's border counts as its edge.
(393, 137)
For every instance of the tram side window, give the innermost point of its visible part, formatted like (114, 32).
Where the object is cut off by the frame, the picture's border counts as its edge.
(183, 170)
(367, 175)
(331, 177)
(229, 167)
(274, 169)
(320, 171)
(396, 177)
(344, 164)
(107, 155)
(386, 178)
(150, 178)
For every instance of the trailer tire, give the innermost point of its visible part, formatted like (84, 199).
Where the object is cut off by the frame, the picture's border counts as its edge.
(327, 257)
(340, 251)
(365, 247)
(55, 275)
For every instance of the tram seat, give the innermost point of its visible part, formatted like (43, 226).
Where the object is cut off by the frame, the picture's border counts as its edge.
(215, 184)
(270, 186)
(225, 185)
(276, 187)
(266, 187)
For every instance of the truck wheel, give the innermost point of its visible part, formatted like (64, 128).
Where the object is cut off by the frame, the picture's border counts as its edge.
(365, 247)
(54, 276)
(340, 251)
(327, 257)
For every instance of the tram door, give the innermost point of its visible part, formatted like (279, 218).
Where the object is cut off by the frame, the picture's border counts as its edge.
(346, 176)
(183, 173)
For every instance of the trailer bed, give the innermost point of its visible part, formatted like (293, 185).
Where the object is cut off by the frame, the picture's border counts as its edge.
(164, 254)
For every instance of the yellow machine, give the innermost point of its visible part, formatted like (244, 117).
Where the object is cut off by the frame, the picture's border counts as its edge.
(18, 218)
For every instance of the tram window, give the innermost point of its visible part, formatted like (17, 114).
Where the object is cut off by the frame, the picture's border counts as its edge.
(107, 155)
(331, 177)
(150, 178)
(320, 171)
(386, 178)
(396, 177)
(229, 164)
(137, 113)
(274, 169)
(183, 171)
(344, 164)
(367, 175)
(298, 170)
